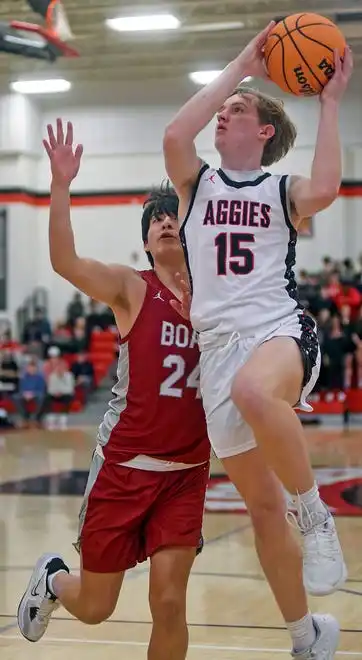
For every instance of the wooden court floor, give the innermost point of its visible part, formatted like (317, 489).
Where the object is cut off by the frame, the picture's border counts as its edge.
(230, 609)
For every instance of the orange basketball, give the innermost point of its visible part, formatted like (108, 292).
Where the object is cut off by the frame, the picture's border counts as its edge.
(299, 53)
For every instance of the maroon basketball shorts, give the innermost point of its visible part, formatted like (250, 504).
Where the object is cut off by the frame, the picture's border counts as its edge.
(129, 514)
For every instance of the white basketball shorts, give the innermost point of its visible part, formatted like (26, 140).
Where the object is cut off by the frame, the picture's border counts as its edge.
(221, 358)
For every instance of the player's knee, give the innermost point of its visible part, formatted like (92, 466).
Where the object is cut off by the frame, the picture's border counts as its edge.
(267, 513)
(246, 394)
(96, 612)
(168, 608)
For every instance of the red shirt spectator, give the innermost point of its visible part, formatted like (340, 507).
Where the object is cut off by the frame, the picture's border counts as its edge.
(348, 296)
(333, 287)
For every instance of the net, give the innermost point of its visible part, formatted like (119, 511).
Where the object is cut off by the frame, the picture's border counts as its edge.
(57, 21)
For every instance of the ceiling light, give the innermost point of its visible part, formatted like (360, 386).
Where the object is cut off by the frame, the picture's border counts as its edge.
(143, 23)
(41, 86)
(206, 77)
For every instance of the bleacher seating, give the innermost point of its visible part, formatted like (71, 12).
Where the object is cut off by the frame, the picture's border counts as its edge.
(102, 353)
(336, 402)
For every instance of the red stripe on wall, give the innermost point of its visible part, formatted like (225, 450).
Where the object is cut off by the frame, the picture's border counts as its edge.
(351, 191)
(119, 199)
(116, 199)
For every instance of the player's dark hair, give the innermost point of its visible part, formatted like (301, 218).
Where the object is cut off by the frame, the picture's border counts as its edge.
(160, 202)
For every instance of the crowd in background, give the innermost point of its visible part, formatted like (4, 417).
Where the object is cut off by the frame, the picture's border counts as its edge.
(334, 297)
(35, 373)
(51, 364)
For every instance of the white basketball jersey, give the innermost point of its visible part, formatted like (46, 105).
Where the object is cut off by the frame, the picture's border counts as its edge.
(239, 246)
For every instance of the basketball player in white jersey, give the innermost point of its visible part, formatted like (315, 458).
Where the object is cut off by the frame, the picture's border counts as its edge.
(259, 352)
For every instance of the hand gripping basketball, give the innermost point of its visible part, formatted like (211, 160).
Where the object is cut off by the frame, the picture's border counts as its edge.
(336, 87)
(64, 163)
(252, 56)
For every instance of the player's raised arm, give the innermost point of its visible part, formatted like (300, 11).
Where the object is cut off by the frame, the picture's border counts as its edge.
(182, 162)
(310, 195)
(106, 283)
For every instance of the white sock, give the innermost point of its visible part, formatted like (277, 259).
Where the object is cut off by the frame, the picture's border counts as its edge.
(311, 502)
(303, 633)
(51, 579)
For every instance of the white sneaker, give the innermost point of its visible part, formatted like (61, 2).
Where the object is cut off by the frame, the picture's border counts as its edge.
(38, 603)
(327, 640)
(324, 570)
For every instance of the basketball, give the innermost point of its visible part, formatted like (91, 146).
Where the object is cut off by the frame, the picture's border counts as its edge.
(299, 53)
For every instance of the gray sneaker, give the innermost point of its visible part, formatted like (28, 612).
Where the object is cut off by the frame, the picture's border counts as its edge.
(38, 603)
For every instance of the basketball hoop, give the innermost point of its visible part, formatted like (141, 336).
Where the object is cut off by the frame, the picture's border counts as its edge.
(36, 41)
(56, 47)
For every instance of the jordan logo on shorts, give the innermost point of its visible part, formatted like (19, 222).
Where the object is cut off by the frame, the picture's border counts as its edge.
(158, 296)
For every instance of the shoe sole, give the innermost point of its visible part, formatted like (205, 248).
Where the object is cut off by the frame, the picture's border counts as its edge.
(333, 589)
(39, 566)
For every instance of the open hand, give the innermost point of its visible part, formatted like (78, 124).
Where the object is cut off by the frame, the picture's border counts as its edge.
(64, 163)
(183, 305)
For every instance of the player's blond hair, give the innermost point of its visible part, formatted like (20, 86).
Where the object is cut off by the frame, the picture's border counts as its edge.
(271, 111)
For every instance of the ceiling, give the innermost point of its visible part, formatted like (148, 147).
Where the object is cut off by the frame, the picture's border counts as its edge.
(157, 65)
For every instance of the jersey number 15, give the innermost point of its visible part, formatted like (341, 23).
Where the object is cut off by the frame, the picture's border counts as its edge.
(232, 255)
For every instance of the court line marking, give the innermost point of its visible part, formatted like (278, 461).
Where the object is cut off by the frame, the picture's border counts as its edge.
(129, 622)
(9, 626)
(204, 647)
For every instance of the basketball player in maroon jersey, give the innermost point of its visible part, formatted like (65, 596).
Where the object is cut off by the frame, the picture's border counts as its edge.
(147, 481)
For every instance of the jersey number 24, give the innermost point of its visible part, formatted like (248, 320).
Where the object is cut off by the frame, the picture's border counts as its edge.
(171, 386)
(232, 255)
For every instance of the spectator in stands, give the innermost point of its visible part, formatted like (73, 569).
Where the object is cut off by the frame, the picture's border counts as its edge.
(357, 340)
(37, 333)
(32, 388)
(323, 324)
(53, 361)
(83, 372)
(60, 389)
(335, 349)
(108, 320)
(331, 287)
(348, 296)
(322, 301)
(308, 292)
(348, 270)
(347, 328)
(358, 274)
(327, 269)
(323, 331)
(9, 372)
(75, 309)
(93, 320)
(79, 339)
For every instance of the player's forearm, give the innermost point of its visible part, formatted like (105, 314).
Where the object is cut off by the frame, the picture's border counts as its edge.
(61, 236)
(202, 107)
(327, 164)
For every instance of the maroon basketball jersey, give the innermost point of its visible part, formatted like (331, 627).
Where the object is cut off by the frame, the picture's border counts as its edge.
(157, 409)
